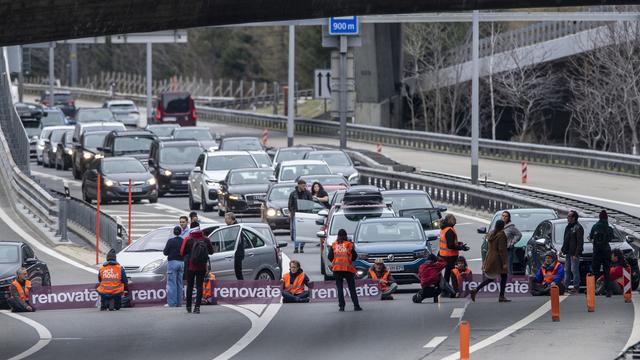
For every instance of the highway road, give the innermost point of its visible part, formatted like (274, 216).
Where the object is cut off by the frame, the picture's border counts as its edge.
(392, 329)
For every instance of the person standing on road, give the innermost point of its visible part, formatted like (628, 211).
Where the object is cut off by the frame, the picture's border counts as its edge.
(601, 234)
(496, 262)
(342, 255)
(449, 246)
(193, 217)
(299, 193)
(293, 284)
(551, 273)
(381, 274)
(19, 293)
(112, 283)
(184, 226)
(238, 256)
(197, 250)
(513, 236)
(572, 247)
(319, 194)
(430, 274)
(175, 268)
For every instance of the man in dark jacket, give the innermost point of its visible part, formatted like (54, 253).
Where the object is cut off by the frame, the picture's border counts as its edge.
(196, 268)
(238, 256)
(299, 193)
(601, 234)
(430, 278)
(175, 268)
(572, 249)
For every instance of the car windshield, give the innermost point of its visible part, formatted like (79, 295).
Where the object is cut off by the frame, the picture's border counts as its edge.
(8, 254)
(250, 177)
(131, 144)
(229, 162)
(525, 221)
(180, 155)
(349, 221)
(329, 180)
(408, 201)
(56, 135)
(45, 133)
(241, 145)
(176, 103)
(292, 172)
(53, 118)
(92, 141)
(123, 107)
(122, 166)
(390, 231)
(280, 193)
(195, 134)
(262, 160)
(153, 241)
(94, 115)
(586, 225)
(163, 131)
(291, 154)
(332, 159)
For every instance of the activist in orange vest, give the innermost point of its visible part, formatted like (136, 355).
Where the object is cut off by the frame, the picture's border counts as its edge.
(449, 246)
(207, 289)
(112, 283)
(19, 293)
(342, 255)
(551, 273)
(293, 284)
(378, 271)
(460, 272)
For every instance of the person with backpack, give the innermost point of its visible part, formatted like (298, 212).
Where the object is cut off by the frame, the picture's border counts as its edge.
(601, 234)
(196, 249)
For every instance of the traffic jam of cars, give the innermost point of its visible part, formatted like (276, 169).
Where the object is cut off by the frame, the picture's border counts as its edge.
(113, 150)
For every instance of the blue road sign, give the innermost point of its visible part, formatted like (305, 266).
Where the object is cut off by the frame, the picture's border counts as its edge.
(343, 25)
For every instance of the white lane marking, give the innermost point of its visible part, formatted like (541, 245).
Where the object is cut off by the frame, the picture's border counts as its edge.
(577, 195)
(634, 337)
(437, 340)
(258, 324)
(477, 259)
(43, 333)
(472, 218)
(457, 313)
(38, 245)
(507, 331)
(184, 212)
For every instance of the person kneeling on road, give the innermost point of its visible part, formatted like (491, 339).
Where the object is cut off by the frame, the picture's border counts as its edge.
(293, 284)
(460, 272)
(19, 293)
(430, 277)
(112, 283)
(616, 275)
(379, 272)
(551, 273)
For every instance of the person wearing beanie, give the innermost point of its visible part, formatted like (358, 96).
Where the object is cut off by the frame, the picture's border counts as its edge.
(175, 268)
(112, 282)
(601, 234)
(430, 274)
(342, 255)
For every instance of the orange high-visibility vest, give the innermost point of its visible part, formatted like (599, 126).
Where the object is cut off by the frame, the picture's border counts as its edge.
(459, 275)
(207, 291)
(383, 281)
(444, 250)
(111, 279)
(298, 283)
(342, 251)
(23, 292)
(548, 275)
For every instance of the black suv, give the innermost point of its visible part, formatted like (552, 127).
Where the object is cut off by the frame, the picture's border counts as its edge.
(14, 255)
(171, 161)
(85, 150)
(61, 99)
(132, 143)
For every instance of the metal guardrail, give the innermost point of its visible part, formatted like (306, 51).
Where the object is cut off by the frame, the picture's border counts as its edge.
(83, 214)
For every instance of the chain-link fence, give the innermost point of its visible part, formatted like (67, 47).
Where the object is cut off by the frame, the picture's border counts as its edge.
(10, 122)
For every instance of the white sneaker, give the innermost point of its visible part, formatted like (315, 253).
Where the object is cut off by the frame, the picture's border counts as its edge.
(166, 305)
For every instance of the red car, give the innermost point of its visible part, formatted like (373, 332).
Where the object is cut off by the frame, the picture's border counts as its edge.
(175, 108)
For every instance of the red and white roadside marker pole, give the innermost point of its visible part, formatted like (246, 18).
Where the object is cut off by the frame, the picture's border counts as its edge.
(627, 284)
(524, 172)
(129, 208)
(98, 196)
(265, 136)
(379, 148)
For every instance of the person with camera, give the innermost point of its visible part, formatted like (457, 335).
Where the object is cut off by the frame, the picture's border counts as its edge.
(450, 247)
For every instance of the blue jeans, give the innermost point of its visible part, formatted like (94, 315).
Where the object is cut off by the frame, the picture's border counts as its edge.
(288, 297)
(296, 244)
(175, 272)
(572, 267)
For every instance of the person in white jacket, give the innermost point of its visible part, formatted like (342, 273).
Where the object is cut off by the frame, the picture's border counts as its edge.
(513, 236)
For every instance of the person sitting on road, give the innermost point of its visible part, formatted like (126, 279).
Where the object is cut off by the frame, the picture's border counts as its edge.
(319, 194)
(616, 275)
(112, 283)
(378, 271)
(460, 272)
(551, 273)
(293, 284)
(207, 289)
(19, 293)
(430, 277)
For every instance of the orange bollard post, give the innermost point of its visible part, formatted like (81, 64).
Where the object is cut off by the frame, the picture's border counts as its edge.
(129, 224)
(465, 334)
(555, 303)
(591, 293)
(98, 196)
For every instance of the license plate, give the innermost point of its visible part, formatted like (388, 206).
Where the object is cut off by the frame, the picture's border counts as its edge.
(184, 182)
(169, 118)
(136, 190)
(25, 114)
(395, 267)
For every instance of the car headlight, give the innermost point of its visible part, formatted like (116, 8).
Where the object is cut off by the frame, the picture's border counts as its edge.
(166, 172)
(359, 273)
(235, 197)
(153, 266)
(54, 149)
(420, 254)
(354, 177)
(271, 212)
(151, 181)
(99, 156)
(7, 281)
(87, 155)
(40, 147)
(70, 151)
(110, 183)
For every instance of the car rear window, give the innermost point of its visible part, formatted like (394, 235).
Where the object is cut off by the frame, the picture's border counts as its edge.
(8, 254)
(175, 103)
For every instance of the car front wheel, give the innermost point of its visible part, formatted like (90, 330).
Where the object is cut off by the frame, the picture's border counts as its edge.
(265, 275)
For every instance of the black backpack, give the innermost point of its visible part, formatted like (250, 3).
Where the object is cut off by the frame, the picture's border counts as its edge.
(199, 252)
